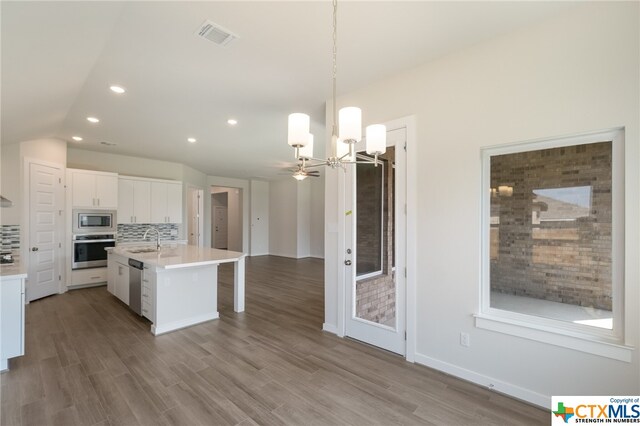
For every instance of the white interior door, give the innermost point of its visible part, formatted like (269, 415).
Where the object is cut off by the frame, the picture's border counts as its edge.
(45, 218)
(375, 243)
(194, 223)
(220, 227)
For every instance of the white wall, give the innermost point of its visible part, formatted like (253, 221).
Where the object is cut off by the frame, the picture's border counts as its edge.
(123, 164)
(574, 73)
(10, 187)
(303, 234)
(317, 217)
(259, 218)
(283, 218)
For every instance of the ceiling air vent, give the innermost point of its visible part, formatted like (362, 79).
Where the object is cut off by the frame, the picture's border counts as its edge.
(215, 33)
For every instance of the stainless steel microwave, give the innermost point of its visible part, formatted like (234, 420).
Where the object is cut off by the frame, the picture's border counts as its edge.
(85, 221)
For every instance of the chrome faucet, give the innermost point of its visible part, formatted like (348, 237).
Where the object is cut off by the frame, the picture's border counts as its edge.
(157, 236)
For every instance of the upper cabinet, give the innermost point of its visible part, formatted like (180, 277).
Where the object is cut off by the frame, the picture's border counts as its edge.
(166, 202)
(143, 200)
(134, 200)
(96, 190)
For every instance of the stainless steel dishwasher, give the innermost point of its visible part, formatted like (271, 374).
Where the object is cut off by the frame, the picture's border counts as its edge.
(135, 286)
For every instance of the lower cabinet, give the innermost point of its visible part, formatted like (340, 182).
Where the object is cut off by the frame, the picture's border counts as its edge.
(122, 282)
(148, 294)
(118, 277)
(88, 277)
(11, 320)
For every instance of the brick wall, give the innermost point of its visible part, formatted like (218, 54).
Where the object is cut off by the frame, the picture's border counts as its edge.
(553, 245)
(375, 296)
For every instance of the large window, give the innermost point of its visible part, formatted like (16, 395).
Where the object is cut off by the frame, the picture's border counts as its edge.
(553, 234)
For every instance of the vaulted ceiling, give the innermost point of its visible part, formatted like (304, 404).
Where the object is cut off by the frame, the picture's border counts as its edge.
(59, 59)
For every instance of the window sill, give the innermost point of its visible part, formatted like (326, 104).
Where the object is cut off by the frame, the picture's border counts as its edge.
(553, 336)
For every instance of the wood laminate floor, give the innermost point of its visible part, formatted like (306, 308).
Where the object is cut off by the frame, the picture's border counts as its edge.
(91, 361)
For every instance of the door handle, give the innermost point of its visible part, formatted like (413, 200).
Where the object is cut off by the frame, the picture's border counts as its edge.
(347, 262)
(34, 248)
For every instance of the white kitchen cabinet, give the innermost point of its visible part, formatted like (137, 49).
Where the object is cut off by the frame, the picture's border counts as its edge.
(148, 294)
(11, 318)
(134, 200)
(166, 202)
(96, 190)
(122, 282)
(88, 277)
(112, 274)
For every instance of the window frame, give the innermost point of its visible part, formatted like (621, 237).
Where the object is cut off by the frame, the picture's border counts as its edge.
(380, 271)
(604, 342)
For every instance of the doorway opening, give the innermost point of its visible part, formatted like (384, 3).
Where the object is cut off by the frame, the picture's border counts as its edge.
(226, 218)
(375, 248)
(195, 217)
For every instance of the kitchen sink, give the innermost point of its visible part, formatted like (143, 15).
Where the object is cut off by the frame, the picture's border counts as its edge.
(143, 250)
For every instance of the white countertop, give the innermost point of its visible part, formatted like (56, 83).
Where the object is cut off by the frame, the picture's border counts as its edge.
(180, 256)
(12, 270)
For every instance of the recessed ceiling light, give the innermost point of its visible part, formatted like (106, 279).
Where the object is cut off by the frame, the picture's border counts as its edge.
(117, 89)
(232, 121)
(76, 138)
(93, 120)
(191, 140)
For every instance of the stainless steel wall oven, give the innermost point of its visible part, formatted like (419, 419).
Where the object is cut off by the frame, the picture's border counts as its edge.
(89, 250)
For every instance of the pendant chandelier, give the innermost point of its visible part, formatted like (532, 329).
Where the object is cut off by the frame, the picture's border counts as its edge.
(346, 131)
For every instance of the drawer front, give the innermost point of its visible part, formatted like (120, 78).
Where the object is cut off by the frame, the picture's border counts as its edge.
(88, 276)
(147, 310)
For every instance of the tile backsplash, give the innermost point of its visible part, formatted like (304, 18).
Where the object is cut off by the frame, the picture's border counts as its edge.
(135, 232)
(10, 237)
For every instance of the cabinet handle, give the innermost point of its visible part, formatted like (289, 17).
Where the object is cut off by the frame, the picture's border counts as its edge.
(94, 278)
(145, 295)
(131, 219)
(145, 281)
(98, 201)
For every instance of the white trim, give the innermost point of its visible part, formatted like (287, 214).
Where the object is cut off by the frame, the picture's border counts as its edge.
(546, 330)
(329, 328)
(554, 336)
(25, 236)
(380, 271)
(543, 401)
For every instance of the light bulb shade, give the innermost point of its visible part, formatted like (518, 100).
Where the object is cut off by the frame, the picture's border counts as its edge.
(350, 124)
(298, 129)
(376, 139)
(306, 152)
(299, 176)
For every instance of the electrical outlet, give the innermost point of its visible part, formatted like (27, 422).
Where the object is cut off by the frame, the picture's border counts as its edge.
(465, 339)
(174, 232)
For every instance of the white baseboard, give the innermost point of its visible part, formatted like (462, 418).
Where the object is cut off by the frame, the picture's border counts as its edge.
(527, 395)
(330, 328)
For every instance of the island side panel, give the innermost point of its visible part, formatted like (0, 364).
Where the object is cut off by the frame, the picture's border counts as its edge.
(238, 286)
(184, 297)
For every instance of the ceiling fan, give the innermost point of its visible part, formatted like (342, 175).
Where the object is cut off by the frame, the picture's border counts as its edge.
(301, 173)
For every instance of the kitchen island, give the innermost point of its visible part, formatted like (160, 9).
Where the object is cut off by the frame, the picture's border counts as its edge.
(179, 284)
(12, 310)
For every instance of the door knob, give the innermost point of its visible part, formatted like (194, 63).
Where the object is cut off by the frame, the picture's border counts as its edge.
(34, 248)
(347, 262)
